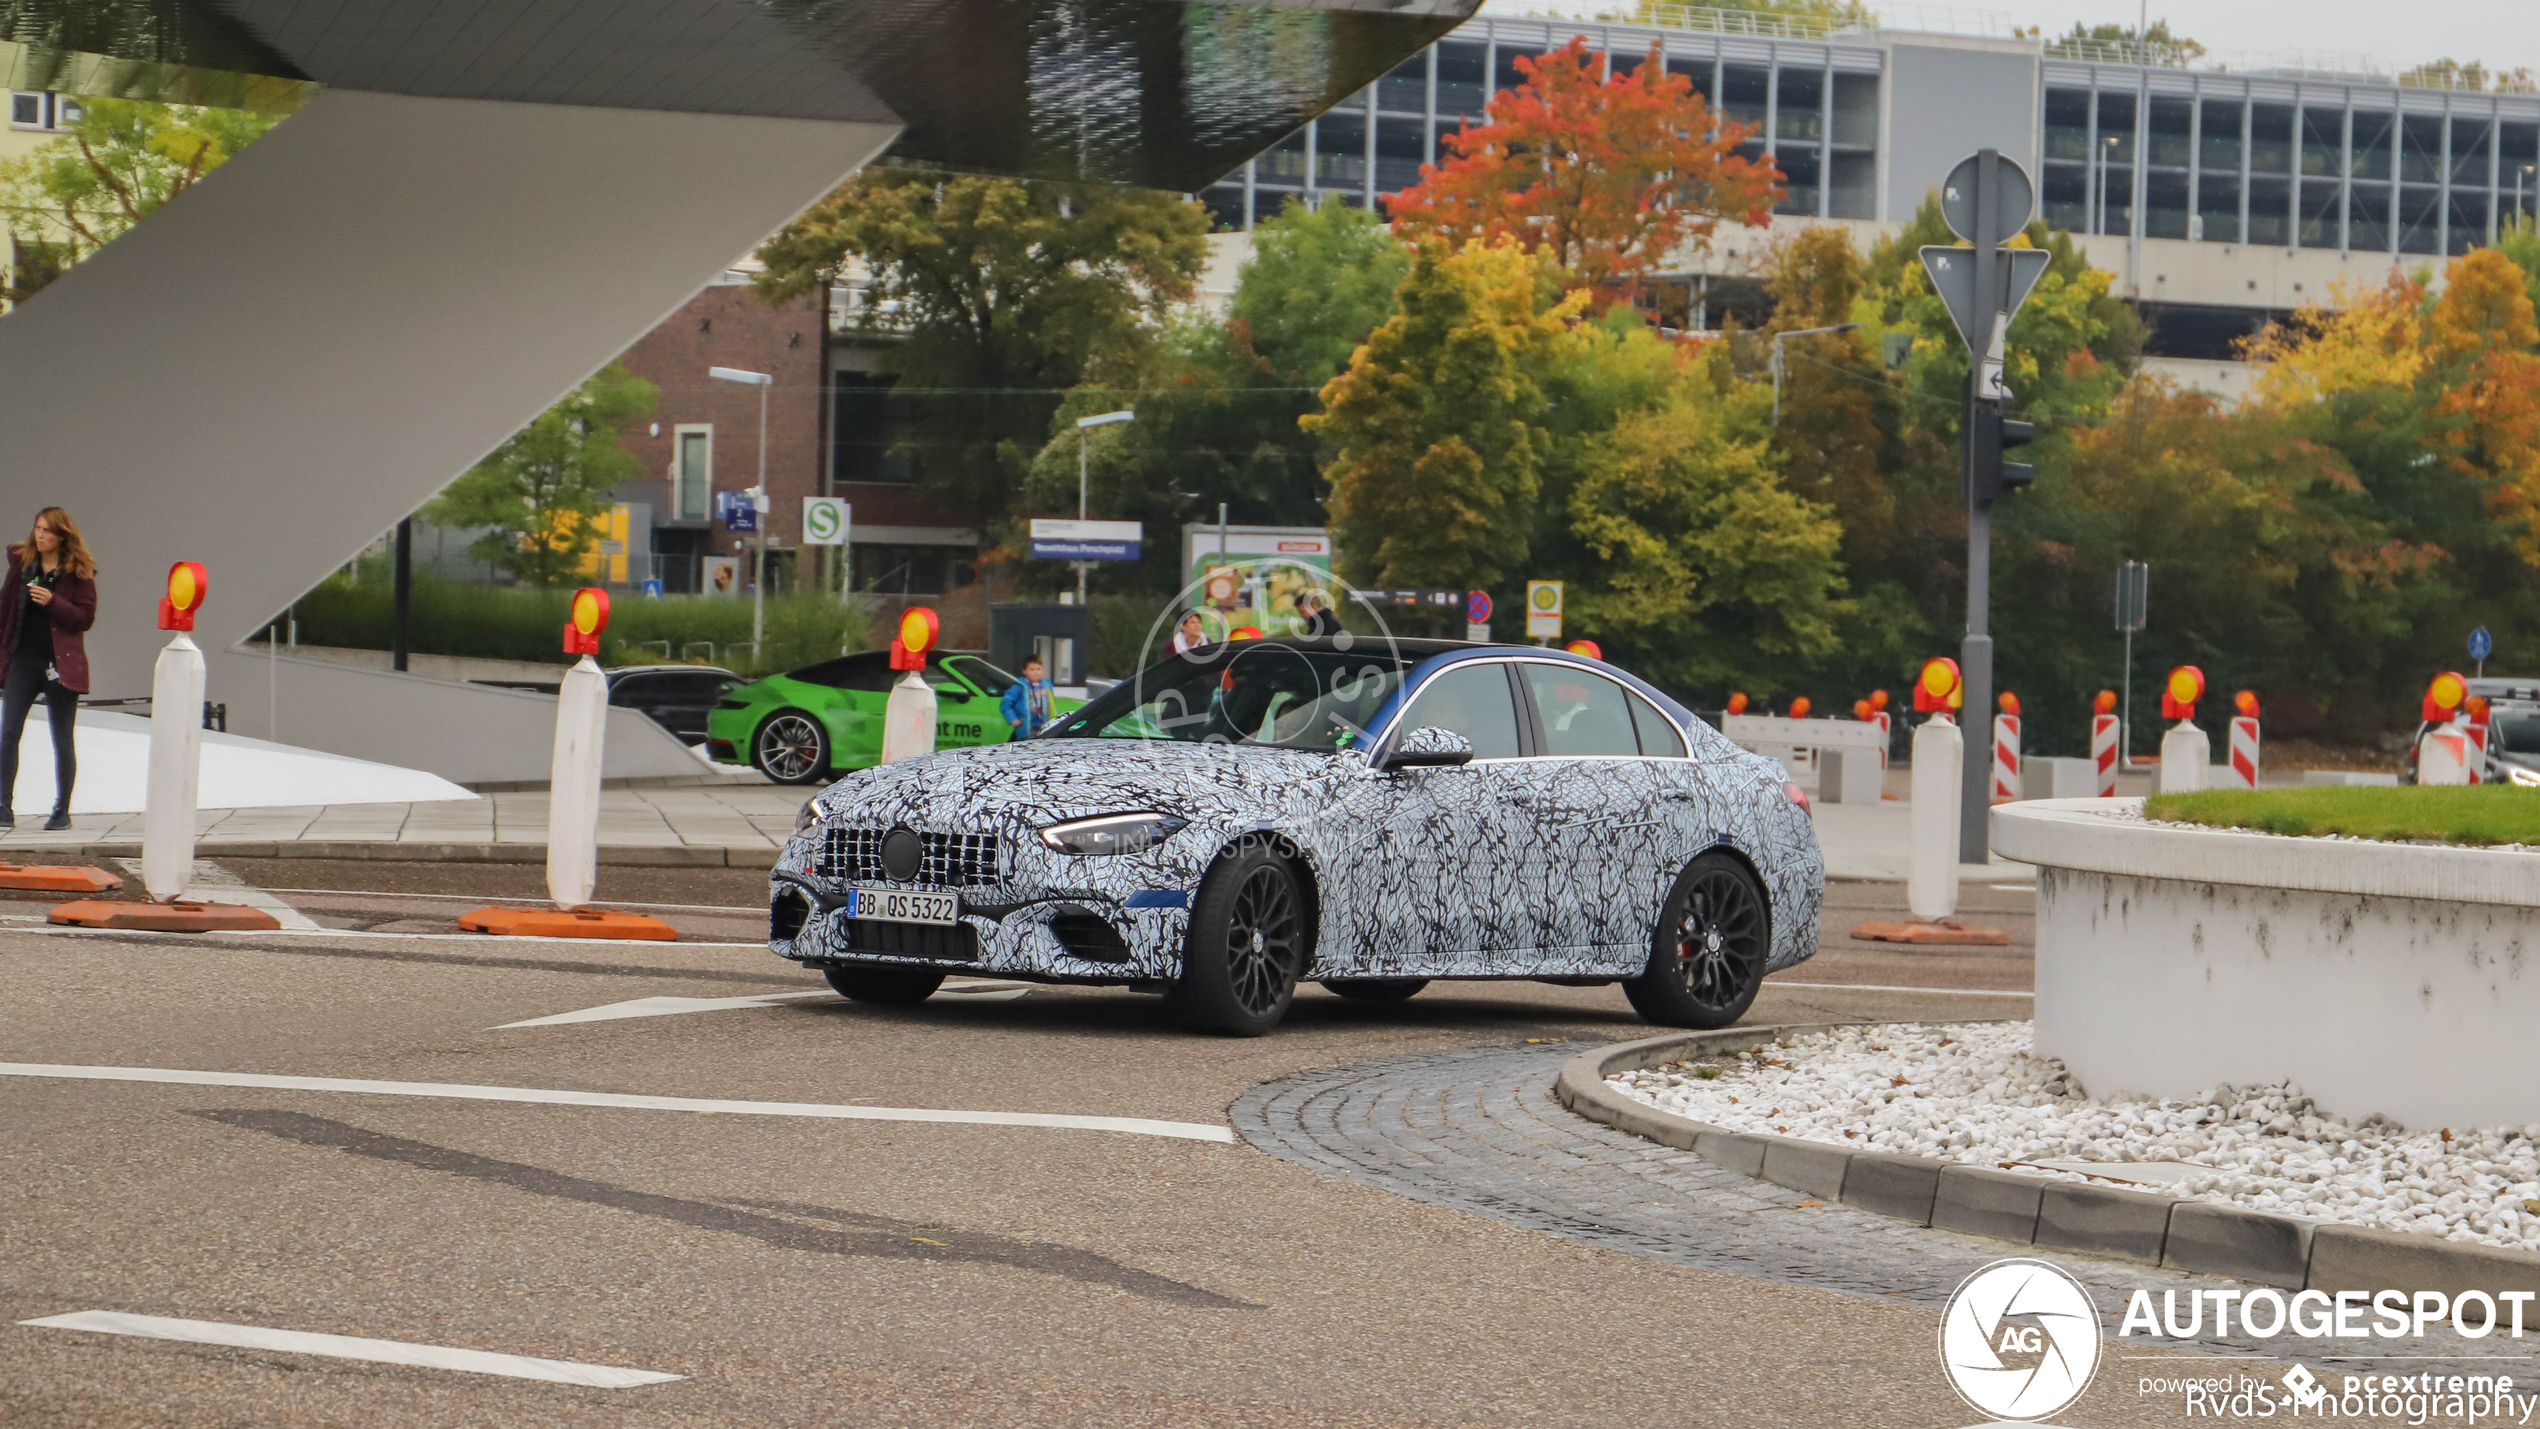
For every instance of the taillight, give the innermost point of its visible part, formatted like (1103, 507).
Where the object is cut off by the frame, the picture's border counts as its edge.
(1799, 796)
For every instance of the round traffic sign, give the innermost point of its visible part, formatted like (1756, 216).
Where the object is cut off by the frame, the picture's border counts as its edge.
(1958, 199)
(2481, 644)
(1477, 607)
(821, 521)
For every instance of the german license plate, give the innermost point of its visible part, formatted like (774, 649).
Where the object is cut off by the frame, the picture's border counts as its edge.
(900, 905)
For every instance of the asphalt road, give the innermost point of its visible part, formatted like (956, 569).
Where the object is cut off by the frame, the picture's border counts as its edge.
(818, 1270)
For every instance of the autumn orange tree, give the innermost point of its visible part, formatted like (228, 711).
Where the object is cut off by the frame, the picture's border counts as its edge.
(1604, 174)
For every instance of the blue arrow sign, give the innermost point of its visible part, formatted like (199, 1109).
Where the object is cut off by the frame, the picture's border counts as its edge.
(2481, 644)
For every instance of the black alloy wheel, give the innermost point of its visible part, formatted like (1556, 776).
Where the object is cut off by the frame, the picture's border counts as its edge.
(1375, 989)
(1707, 959)
(1245, 949)
(890, 987)
(791, 748)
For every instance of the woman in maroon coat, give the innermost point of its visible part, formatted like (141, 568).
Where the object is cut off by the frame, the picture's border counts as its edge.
(48, 601)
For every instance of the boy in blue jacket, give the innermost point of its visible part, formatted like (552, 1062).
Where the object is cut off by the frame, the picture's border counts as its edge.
(1027, 704)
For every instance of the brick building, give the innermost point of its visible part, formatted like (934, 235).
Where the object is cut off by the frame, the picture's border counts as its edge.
(841, 439)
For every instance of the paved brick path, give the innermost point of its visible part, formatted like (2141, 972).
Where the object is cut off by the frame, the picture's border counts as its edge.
(1478, 1130)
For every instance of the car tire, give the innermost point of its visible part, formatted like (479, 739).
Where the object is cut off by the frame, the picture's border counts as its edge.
(1375, 989)
(1707, 955)
(791, 748)
(890, 987)
(1248, 941)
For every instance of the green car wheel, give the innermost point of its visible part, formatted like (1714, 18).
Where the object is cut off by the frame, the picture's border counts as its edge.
(791, 748)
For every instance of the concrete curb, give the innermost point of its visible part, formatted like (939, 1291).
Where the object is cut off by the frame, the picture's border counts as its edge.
(2141, 1226)
(631, 855)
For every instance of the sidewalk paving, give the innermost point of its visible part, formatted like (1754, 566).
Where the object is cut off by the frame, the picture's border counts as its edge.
(693, 825)
(686, 824)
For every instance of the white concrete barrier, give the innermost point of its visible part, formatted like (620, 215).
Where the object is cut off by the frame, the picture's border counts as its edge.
(2185, 758)
(2046, 778)
(1931, 878)
(2380, 977)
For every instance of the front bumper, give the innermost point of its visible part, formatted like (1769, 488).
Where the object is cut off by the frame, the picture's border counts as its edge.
(1047, 917)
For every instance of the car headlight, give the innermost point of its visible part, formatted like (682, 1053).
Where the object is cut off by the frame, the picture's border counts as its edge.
(1112, 833)
(808, 817)
(2523, 778)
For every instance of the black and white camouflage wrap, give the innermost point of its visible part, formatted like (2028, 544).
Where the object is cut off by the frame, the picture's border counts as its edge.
(1501, 868)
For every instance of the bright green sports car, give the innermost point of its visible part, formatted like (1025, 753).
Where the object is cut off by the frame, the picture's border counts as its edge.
(802, 726)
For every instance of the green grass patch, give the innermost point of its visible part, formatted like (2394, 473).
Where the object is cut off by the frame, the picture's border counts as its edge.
(2461, 814)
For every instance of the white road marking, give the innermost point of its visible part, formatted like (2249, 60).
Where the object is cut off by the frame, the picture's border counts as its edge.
(667, 1006)
(1885, 987)
(354, 1347)
(19, 923)
(211, 883)
(464, 1091)
(984, 991)
(662, 1007)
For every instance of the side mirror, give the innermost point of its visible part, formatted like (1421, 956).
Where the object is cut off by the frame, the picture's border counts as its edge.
(1427, 747)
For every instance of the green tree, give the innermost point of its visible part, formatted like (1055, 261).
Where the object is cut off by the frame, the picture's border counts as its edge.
(1007, 293)
(1218, 404)
(112, 168)
(1705, 569)
(539, 491)
(1437, 425)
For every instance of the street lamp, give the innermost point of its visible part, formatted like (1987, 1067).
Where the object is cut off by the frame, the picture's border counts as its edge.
(758, 501)
(1084, 425)
(1777, 361)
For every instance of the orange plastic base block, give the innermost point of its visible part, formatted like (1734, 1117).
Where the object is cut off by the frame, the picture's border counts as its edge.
(1945, 933)
(177, 917)
(57, 877)
(567, 923)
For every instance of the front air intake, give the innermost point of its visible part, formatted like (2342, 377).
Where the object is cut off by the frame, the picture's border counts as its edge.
(787, 911)
(1090, 936)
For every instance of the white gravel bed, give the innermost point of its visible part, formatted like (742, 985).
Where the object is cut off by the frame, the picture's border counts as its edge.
(1976, 1094)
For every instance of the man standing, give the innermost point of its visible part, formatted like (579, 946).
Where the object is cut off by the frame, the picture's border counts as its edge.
(1320, 622)
(1026, 704)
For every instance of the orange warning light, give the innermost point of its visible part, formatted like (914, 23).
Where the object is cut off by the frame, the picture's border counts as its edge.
(187, 585)
(919, 628)
(590, 617)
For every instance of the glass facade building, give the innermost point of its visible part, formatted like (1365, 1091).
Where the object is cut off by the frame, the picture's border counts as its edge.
(1814, 105)
(2282, 161)
(2348, 163)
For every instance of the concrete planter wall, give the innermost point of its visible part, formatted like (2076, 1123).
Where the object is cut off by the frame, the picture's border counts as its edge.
(2392, 978)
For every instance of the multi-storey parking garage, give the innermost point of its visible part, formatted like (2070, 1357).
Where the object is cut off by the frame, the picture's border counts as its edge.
(2217, 196)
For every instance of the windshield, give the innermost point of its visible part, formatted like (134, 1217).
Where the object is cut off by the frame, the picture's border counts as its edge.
(1249, 692)
(979, 672)
(2516, 734)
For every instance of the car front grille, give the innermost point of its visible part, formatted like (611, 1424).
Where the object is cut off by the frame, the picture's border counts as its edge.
(874, 937)
(949, 860)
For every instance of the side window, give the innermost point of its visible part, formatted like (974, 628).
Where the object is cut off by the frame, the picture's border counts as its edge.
(1657, 736)
(634, 689)
(870, 672)
(1583, 713)
(1472, 700)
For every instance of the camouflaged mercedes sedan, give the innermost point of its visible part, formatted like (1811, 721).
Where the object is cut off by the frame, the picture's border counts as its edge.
(1370, 814)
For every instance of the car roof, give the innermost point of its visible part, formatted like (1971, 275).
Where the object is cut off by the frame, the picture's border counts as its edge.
(1427, 657)
(615, 671)
(2504, 687)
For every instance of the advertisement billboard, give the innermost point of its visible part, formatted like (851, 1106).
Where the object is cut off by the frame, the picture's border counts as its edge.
(1255, 576)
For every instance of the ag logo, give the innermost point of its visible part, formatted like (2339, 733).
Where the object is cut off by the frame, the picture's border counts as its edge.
(2020, 1340)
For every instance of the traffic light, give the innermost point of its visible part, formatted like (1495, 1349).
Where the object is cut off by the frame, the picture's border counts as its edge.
(1989, 437)
(2014, 436)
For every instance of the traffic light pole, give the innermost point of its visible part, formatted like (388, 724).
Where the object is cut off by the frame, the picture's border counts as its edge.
(1975, 653)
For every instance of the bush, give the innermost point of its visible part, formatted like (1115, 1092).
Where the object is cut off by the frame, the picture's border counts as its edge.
(527, 623)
